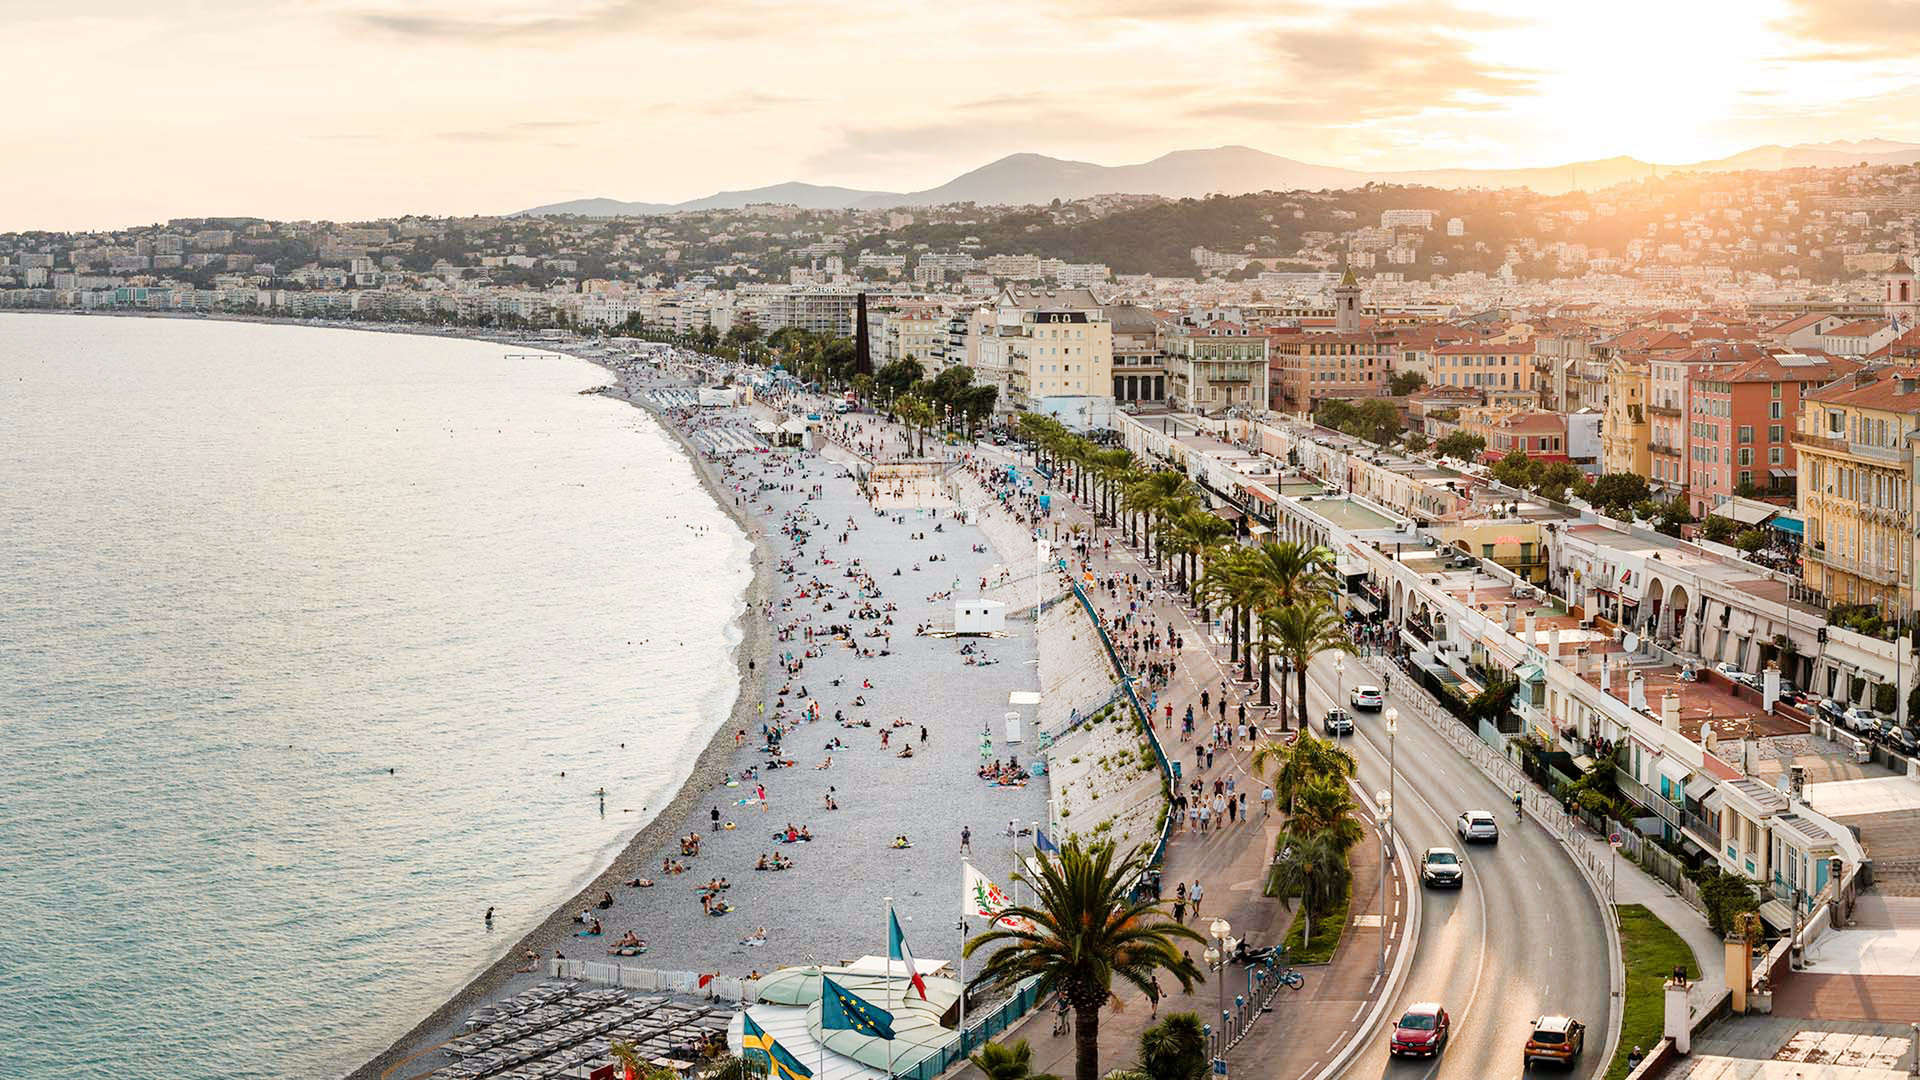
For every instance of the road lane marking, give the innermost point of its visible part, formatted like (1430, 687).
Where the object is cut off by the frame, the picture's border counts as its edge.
(1356, 1012)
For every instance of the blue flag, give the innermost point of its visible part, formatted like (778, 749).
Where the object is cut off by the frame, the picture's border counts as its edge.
(1044, 845)
(843, 1010)
(759, 1047)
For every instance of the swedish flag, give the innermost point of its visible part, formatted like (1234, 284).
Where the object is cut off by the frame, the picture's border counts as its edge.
(758, 1047)
(842, 1009)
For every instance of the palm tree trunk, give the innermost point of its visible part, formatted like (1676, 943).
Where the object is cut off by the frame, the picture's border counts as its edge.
(1086, 1044)
(1300, 675)
(1266, 675)
(1233, 648)
(1246, 654)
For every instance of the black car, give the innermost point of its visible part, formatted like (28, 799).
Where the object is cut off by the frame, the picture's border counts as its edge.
(1900, 739)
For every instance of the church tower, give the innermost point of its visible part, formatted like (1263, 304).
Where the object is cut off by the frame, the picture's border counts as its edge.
(1346, 305)
(1902, 300)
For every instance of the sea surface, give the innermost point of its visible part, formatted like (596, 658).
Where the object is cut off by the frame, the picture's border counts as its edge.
(314, 644)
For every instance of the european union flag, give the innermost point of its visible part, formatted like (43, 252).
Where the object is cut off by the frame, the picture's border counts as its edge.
(759, 1047)
(841, 1009)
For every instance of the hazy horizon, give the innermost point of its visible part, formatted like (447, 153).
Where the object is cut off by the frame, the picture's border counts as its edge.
(351, 109)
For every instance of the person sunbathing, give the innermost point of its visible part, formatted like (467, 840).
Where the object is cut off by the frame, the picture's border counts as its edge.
(901, 841)
(641, 883)
(629, 945)
(606, 900)
(762, 864)
(592, 931)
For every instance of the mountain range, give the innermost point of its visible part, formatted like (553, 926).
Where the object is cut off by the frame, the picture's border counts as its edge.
(1026, 179)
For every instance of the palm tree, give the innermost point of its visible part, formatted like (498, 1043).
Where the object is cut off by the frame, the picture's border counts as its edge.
(917, 415)
(1230, 580)
(1175, 1049)
(1324, 807)
(1111, 466)
(632, 1064)
(1303, 631)
(1008, 1061)
(1209, 534)
(1312, 868)
(1298, 763)
(1087, 929)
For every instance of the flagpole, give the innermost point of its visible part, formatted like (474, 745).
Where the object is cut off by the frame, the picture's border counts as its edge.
(889, 982)
(963, 978)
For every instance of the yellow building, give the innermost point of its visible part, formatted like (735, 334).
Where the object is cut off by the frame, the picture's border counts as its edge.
(1625, 442)
(1855, 494)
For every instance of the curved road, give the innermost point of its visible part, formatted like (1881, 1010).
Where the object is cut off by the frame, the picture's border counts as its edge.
(1524, 936)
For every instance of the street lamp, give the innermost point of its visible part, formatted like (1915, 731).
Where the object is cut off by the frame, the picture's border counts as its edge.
(1385, 800)
(1221, 929)
(1339, 686)
(1393, 728)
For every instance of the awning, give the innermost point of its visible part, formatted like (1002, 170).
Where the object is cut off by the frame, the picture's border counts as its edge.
(1673, 770)
(1362, 605)
(1777, 915)
(1713, 802)
(1745, 511)
(1699, 787)
(1583, 762)
(1782, 474)
(1530, 672)
(1789, 525)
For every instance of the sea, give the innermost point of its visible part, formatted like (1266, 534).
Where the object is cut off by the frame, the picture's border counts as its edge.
(315, 644)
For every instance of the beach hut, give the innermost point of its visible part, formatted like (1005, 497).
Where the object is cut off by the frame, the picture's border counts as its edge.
(979, 616)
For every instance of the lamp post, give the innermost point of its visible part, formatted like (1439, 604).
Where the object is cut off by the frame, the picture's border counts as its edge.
(1220, 929)
(1339, 687)
(1392, 718)
(1385, 822)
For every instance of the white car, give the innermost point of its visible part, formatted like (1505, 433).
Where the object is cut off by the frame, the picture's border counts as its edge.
(1367, 697)
(1478, 825)
(1860, 719)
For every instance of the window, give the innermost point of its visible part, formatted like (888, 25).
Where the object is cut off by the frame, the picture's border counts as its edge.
(1746, 478)
(1773, 410)
(1746, 433)
(1776, 455)
(1776, 391)
(1746, 455)
(1776, 433)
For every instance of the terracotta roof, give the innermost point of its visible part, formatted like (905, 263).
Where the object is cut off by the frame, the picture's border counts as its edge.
(1891, 389)
(1795, 325)
(1772, 369)
(1858, 328)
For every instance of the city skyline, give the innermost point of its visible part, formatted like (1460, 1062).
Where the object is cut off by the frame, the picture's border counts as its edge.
(354, 109)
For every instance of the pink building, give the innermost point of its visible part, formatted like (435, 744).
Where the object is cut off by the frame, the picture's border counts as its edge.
(1740, 424)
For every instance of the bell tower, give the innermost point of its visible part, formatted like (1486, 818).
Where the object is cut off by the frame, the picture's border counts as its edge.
(1346, 304)
(1902, 300)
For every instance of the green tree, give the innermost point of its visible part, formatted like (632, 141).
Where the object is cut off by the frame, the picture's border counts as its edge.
(1304, 630)
(1007, 1061)
(1553, 479)
(1403, 383)
(1311, 868)
(1416, 441)
(1175, 1049)
(1750, 540)
(1619, 491)
(1461, 446)
(1514, 470)
(897, 378)
(1087, 930)
(1718, 529)
(1298, 762)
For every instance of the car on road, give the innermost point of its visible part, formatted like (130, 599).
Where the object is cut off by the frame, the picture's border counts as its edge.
(1440, 868)
(1422, 1031)
(1478, 825)
(1367, 697)
(1337, 722)
(1558, 1039)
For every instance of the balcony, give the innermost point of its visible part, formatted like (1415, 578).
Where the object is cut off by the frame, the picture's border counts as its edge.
(1831, 445)
(1705, 830)
(1664, 410)
(1667, 449)
(1880, 575)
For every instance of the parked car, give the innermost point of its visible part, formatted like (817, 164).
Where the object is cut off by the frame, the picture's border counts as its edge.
(1367, 697)
(1558, 1039)
(1860, 720)
(1440, 868)
(1899, 738)
(1832, 710)
(1337, 722)
(1422, 1031)
(1478, 825)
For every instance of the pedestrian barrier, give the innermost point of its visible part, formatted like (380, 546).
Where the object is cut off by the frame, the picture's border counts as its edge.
(976, 1034)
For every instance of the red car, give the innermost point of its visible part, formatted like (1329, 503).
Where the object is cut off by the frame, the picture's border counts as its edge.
(1422, 1031)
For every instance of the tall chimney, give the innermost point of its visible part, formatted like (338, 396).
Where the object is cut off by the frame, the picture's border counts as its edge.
(1636, 692)
(1553, 644)
(1770, 686)
(1532, 642)
(1507, 617)
(1670, 710)
(1606, 673)
(1583, 659)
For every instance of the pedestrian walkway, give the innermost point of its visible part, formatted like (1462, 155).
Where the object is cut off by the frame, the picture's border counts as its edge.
(1306, 1029)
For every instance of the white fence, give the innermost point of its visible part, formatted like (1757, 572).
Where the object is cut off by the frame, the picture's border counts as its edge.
(685, 983)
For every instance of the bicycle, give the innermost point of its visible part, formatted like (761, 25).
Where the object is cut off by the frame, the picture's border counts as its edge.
(1062, 1019)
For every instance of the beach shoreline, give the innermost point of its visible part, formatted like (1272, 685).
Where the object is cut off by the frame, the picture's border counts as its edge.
(556, 930)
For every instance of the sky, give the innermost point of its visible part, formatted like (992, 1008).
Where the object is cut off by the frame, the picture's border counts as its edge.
(128, 111)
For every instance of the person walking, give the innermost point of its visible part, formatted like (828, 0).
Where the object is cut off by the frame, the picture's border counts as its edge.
(1195, 894)
(715, 815)
(966, 839)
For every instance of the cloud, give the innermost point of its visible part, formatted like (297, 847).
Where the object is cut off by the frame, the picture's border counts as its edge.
(1383, 63)
(523, 23)
(1852, 30)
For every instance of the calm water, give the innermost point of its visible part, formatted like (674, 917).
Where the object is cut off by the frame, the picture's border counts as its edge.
(244, 571)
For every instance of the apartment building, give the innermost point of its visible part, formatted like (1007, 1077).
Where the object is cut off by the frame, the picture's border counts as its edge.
(1039, 343)
(1739, 423)
(1503, 371)
(916, 330)
(1215, 367)
(1856, 487)
(1139, 365)
(1308, 368)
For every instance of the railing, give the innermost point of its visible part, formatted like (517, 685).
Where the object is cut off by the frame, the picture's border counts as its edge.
(976, 1034)
(1884, 575)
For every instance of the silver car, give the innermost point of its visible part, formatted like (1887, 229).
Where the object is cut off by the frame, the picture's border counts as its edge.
(1478, 826)
(1440, 868)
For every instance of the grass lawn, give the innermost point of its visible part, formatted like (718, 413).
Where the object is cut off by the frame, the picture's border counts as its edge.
(1650, 950)
(1328, 927)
